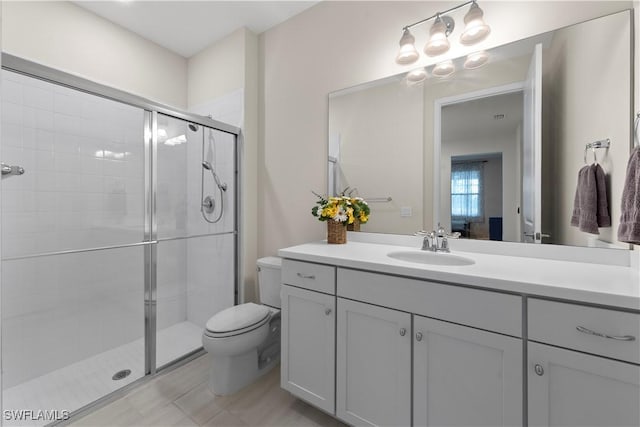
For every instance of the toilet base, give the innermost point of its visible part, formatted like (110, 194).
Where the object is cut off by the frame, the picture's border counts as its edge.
(230, 374)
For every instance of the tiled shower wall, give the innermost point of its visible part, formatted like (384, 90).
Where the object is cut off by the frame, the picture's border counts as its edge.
(204, 283)
(83, 188)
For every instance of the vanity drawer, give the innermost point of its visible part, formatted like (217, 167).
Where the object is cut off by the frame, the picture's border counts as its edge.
(599, 331)
(477, 308)
(315, 277)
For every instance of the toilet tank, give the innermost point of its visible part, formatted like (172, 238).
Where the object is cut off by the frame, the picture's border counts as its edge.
(269, 280)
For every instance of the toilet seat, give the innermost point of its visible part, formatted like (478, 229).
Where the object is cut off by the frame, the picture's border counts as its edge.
(237, 320)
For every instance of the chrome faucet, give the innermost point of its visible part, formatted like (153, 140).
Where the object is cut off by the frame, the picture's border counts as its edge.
(435, 241)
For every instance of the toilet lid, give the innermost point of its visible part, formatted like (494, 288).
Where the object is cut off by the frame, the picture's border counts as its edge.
(237, 317)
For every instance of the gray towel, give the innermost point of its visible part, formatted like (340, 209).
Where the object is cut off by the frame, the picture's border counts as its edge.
(602, 212)
(629, 229)
(585, 203)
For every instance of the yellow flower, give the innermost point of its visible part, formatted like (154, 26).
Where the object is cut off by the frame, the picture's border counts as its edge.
(350, 216)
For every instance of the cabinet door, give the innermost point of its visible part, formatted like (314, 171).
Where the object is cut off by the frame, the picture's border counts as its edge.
(568, 388)
(308, 346)
(373, 365)
(464, 376)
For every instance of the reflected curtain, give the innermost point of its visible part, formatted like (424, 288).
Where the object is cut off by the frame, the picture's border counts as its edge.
(467, 189)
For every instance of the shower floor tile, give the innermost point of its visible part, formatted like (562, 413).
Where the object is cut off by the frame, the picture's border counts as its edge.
(81, 383)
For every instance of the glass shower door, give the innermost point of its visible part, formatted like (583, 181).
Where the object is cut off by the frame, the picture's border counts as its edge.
(196, 232)
(72, 248)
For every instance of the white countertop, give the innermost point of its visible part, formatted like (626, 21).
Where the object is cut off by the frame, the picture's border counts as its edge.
(576, 281)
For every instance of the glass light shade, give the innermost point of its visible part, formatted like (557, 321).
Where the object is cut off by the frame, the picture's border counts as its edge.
(476, 60)
(408, 53)
(416, 76)
(443, 69)
(438, 42)
(475, 29)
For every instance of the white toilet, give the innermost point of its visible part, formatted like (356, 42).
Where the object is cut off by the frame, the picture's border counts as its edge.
(244, 340)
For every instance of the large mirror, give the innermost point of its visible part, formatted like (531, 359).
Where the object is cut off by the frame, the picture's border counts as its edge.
(493, 152)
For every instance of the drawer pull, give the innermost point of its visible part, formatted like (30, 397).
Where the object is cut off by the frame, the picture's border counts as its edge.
(403, 332)
(598, 334)
(539, 370)
(327, 311)
(306, 276)
(419, 336)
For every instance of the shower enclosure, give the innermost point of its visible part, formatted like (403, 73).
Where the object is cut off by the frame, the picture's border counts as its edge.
(119, 240)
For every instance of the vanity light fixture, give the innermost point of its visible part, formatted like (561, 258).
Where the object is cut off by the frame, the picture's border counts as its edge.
(476, 30)
(443, 69)
(408, 53)
(476, 60)
(417, 75)
(439, 36)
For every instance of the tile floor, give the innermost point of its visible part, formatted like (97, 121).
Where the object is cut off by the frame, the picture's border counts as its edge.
(181, 398)
(83, 382)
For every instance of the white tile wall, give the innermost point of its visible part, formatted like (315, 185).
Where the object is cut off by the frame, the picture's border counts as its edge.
(84, 188)
(83, 156)
(181, 175)
(59, 309)
(210, 277)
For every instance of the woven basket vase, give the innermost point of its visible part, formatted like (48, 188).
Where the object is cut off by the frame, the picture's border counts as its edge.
(336, 232)
(355, 226)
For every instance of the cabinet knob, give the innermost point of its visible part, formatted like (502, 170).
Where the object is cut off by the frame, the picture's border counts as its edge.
(418, 336)
(403, 332)
(327, 311)
(538, 369)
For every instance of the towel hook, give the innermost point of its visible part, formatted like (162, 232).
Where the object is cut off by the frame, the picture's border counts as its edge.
(603, 143)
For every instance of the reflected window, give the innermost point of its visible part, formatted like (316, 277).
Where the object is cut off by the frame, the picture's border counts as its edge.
(466, 191)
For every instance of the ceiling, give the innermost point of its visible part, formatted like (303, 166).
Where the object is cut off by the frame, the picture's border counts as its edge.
(187, 27)
(477, 118)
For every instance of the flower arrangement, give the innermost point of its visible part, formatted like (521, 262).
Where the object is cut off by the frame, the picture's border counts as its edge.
(343, 209)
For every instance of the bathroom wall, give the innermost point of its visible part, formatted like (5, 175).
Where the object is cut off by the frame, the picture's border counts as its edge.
(68, 35)
(353, 119)
(79, 42)
(575, 68)
(222, 82)
(324, 49)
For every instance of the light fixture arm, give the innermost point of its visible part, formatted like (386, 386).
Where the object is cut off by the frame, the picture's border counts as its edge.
(439, 14)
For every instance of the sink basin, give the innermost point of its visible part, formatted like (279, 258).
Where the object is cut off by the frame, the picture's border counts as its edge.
(432, 258)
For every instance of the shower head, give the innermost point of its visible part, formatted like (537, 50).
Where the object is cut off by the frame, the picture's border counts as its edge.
(193, 127)
(206, 165)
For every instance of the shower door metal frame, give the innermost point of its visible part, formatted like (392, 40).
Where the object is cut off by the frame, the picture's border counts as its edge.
(152, 109)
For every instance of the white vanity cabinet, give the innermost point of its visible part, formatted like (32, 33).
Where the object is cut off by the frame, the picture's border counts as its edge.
(373, 365)
(566, 386)
(463, 376)
(308, 333)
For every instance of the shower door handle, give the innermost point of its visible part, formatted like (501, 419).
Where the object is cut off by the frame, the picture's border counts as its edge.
(11, 170)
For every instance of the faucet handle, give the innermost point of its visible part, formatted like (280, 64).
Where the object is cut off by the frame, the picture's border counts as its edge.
(441, 231)
(444, 246)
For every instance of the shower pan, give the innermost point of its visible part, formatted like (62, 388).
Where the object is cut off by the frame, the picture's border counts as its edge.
(110, 268)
